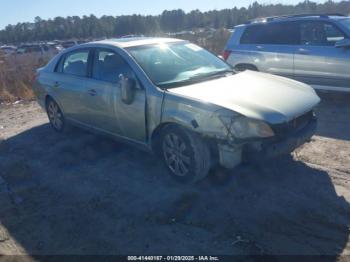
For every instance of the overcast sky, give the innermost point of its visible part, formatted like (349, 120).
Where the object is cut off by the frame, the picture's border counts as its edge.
(14, 11)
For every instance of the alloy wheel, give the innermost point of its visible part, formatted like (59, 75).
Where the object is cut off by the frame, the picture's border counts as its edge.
(55, 115)
(176, 155)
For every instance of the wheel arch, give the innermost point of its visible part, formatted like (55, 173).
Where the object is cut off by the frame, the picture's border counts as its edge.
(156, 135)
(201, 156)
(246, 66)
(50, 97)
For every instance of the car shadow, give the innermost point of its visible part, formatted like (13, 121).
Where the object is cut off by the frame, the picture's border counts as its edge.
(333, 113)
(78, 193)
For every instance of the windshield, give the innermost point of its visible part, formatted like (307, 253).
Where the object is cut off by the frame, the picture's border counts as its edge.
(346, 23)
(176, 64)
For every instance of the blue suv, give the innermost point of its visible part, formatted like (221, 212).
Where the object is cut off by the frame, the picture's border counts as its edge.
(310, 48)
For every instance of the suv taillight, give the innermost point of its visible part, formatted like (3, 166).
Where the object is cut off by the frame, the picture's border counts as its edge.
(36, 75)
(226, 54)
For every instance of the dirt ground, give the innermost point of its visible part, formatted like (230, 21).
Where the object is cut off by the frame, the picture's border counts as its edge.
(78, 193)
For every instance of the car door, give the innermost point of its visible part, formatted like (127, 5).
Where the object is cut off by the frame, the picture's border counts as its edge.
(317, 60)
(271, 47)
(103, 98)
(69, 83)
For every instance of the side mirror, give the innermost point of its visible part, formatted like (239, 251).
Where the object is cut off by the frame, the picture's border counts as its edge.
(127, 87)
(343, 43)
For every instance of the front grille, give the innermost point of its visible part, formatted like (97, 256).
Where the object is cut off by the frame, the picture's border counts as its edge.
(295, 125)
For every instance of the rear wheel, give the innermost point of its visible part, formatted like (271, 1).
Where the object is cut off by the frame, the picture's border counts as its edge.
(185, 154)
(55, 115)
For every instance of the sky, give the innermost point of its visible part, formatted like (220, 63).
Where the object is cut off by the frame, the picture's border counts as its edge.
(14, 11)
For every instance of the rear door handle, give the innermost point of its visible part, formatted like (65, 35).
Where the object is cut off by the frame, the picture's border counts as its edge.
(56, 84)
(92, 92)
(259, 47)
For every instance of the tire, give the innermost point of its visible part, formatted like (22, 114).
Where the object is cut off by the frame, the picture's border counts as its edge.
(55, 116)
(185, 154)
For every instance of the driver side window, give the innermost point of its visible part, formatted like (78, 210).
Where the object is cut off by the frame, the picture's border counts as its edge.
(319, 34)
(108, 65)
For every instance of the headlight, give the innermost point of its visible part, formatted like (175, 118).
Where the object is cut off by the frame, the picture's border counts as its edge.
(243, 127)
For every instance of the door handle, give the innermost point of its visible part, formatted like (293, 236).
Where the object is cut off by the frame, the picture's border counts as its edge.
(303, 51)
(56, 84)
(259, 47)
(92, 92)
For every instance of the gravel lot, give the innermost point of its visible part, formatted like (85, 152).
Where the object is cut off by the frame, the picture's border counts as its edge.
(78, 193)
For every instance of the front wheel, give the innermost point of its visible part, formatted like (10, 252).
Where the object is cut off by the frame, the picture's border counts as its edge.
(185, 153)
(55, 115)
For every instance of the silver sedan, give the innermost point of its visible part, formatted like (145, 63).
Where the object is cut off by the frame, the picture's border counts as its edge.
(178, 100)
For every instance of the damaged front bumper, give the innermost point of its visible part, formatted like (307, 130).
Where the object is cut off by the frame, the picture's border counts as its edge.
(260, 151)
(272, 149)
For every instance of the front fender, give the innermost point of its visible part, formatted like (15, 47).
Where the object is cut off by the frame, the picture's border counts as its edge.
(177, 117)
(197, 116)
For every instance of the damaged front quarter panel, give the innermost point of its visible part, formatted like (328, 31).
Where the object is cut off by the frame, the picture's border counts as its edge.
(208, 120)
(200, 117)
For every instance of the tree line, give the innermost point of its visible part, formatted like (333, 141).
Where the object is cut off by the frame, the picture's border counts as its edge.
(75, 27)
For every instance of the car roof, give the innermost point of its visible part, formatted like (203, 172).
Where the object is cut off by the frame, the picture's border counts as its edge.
(289, 18)
(136, 41)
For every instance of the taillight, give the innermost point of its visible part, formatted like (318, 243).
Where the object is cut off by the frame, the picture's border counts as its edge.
(36, 75)
(226, 54)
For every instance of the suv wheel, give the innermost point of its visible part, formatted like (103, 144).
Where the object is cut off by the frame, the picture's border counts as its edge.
(185, 154)
(244, 67)
(55, 115)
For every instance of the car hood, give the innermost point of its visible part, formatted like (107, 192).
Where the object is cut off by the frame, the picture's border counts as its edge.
(256, 95)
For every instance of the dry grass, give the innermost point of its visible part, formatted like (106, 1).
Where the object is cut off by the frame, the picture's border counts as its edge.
(16, 77)
(213, 41)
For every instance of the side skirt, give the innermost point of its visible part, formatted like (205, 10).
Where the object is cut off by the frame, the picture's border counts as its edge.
(98, 131)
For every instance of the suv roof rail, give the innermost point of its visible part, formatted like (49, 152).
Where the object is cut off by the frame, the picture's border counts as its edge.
(272, 18)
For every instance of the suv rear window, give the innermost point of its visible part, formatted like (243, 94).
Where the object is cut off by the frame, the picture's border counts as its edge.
(273, 34)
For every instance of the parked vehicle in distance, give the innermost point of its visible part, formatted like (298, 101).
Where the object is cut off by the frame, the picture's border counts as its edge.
(43, 51)
(177, 99)
(55, 46)
(314, 49)
(68, 44)
(29, 48)
(38, 48)
(7, 50)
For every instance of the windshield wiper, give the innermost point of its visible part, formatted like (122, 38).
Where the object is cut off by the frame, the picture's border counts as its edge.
(197, 78)
(222, 72)
(211, 75)
(178, 83)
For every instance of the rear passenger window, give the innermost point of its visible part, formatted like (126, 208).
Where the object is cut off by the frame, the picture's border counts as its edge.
(272, 34)
(76, 63)
(253, 35)
(108, 65)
